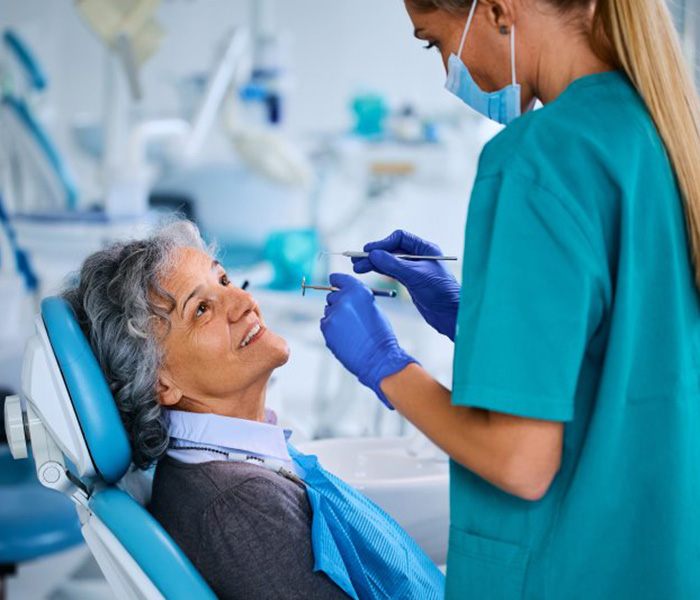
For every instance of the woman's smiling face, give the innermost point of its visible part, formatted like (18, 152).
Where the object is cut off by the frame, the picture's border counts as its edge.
(217, 349)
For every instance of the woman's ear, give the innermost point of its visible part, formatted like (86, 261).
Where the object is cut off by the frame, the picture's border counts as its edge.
(168, 392)
(500, 14)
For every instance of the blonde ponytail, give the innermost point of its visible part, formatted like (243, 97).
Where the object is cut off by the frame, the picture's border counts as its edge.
(640, 37)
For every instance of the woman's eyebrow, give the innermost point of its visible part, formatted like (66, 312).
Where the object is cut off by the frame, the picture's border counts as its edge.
(214, 264)
(194, 292)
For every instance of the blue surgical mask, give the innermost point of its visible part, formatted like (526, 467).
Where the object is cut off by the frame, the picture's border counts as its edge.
(502, 106)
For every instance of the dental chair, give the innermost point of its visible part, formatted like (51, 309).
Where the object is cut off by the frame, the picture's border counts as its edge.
(80, 448)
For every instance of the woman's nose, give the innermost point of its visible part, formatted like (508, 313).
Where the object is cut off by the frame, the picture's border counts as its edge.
(239, 304)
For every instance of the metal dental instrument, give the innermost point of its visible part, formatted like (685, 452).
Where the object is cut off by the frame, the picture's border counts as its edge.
(352, 254)
(328, 288)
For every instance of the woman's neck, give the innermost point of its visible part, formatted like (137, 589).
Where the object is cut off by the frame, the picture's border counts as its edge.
(248, 403)
(560, 55)
(551, 82)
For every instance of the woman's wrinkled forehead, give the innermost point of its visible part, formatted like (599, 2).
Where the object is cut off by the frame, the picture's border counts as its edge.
(186, 265)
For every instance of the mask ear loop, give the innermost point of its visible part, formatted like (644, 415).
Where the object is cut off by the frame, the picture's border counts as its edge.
(472, 11)
(466, 28)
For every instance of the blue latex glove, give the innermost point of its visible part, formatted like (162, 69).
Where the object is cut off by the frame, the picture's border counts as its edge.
(434, 291)
(360, 336)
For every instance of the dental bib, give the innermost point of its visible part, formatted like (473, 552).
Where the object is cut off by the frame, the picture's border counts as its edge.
(359, 546)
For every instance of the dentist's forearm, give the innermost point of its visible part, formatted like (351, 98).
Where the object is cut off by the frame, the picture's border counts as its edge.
(520, 456)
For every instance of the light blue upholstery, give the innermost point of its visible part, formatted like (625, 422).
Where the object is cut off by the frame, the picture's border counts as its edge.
(34, 521)
(150, 546)
(94, 405)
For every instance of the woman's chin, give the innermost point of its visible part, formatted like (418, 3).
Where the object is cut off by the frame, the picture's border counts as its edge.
(281, 351)
(272, 349)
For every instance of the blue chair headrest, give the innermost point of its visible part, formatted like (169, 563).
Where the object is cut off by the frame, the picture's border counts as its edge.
(92, 399)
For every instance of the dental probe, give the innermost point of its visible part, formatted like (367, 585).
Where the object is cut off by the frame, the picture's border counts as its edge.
(324, 288)
(352, 254)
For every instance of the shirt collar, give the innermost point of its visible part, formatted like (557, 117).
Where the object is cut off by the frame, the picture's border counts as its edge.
(229, 433)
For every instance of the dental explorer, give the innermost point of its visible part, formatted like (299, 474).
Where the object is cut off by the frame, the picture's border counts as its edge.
(327, 288)
(353, 254)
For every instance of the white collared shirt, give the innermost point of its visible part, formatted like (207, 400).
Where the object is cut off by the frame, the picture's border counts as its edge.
(222, 435)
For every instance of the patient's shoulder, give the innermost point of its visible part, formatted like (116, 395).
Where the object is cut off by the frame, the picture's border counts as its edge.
(206, 505)
(205, 484)
(254, 492)
(255, 537)
(193, 489)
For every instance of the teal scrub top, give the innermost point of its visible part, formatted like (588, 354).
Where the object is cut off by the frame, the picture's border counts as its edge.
(579, 306)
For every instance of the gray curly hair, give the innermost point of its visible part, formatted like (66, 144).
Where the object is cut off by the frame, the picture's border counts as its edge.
(117, 299)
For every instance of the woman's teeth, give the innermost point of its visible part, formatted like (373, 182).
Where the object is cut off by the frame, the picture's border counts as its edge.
(251, 334)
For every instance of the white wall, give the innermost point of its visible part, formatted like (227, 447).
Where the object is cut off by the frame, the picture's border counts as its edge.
(337, 47)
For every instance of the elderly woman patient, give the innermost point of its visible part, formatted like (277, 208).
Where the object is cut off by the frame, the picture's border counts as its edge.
(188, 358)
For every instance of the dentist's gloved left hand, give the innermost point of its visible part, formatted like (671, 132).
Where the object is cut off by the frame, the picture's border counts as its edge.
(360, 336)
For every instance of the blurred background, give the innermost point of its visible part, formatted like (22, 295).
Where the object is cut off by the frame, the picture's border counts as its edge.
(283, 128)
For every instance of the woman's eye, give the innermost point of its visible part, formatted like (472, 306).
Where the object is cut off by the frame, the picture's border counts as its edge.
(431, 45)
(201, 309)
(225, 280)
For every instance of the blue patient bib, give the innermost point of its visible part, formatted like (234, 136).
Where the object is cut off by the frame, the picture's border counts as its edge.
(358, 545)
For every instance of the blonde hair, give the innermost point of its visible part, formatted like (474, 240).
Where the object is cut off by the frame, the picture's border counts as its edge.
(643, 42)
(638, 37)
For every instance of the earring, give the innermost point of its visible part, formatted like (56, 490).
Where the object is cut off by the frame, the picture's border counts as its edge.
(503, 30)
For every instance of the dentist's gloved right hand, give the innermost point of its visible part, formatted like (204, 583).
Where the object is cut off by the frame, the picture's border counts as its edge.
(434, 291)
(360, 336)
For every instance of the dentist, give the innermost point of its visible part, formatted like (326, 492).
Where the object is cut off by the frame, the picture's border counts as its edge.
(574, 420)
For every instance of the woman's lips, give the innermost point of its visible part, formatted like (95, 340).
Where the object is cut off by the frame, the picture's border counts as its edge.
(256, 337)
(253, 334)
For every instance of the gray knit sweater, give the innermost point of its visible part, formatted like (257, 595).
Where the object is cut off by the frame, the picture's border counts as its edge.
(246, 529)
